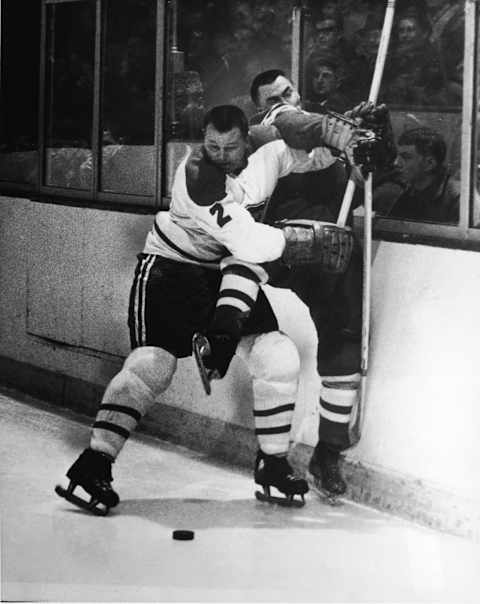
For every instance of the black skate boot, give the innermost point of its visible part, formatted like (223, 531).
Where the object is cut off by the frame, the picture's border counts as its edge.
(273, 471)
(325, 472)
(93, 472)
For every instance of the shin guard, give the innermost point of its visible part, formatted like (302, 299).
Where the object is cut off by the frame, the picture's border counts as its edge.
(147, 372)
(274, 365)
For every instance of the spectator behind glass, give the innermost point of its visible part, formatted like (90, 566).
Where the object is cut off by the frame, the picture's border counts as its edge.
(324, 79)
(447, 19)
(326, 38)
(366, 43)
(233, 41)
(430, 193)
(414, 73)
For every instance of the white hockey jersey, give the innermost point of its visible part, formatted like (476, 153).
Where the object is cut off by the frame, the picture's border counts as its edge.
(209, 214)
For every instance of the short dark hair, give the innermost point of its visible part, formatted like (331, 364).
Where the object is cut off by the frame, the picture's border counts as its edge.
(262, 79)
(426, 141)
(226, 117)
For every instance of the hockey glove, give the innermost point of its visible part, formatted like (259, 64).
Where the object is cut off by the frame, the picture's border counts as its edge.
(315, 242)
(376, 118)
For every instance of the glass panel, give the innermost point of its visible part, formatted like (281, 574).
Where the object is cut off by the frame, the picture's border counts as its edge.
(475, 202)
(216, 48)
(19, 98)
(422, 85)
(69, 94)
(128, 101)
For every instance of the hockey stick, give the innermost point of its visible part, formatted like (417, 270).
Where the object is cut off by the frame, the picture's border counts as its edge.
(367, 224)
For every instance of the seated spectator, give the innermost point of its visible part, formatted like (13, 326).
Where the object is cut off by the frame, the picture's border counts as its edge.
(447, 21)
(430, 193)
(189, 104)
(357, 12)
(330, 9)
(327, 39)
(366, 43)
(413, 73)
(324, 79)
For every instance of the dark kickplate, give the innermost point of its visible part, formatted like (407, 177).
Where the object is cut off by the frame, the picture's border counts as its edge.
(282, 501)
(79, 502)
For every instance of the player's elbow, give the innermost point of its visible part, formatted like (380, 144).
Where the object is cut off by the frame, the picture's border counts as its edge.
(260, 245)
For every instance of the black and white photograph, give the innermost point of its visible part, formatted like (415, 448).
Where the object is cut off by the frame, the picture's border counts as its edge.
(240, 301)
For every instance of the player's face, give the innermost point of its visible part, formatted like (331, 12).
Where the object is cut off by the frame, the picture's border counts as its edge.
(227, 150)
(281, 90)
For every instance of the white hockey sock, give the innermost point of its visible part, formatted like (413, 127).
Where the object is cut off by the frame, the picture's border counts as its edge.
(125, 401)
(274, 366)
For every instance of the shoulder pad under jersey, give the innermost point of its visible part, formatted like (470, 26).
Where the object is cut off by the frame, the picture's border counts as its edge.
(205, 182)
(276, 110)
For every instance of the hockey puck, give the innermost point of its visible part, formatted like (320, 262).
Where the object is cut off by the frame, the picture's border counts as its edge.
(183, 535)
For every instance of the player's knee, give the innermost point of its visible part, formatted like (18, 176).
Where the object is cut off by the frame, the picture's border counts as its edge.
(154, 366)
(274, 357)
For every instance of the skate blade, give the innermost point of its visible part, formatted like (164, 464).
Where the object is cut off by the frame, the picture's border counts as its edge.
(91, 506)
(201, 347)
(285, 502)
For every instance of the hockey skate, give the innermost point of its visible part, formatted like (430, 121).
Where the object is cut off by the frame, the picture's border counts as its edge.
(93, 472)
(201, 349)
(273, 471)
(325, 474)
(213, 355)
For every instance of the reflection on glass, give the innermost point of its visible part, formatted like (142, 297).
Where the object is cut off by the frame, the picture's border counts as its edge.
(423, 66)
(216, 49)
(19, 112)
(69, 86)
(128, 101)
(422, 85)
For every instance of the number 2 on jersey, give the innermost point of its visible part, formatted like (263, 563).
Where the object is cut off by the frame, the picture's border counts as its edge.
(222, 218)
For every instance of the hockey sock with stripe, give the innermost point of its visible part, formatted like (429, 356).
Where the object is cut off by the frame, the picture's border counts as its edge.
(338, 395)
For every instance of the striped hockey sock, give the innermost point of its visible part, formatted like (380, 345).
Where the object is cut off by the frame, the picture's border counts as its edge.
(125, 401)
(338, 395)
(237, 295)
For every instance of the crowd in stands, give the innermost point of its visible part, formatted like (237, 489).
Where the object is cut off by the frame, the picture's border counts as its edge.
(225, 43)
(425, 59)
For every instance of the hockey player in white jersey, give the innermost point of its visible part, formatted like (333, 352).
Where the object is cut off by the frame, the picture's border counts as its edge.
(174, 293)
(330, 284)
